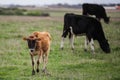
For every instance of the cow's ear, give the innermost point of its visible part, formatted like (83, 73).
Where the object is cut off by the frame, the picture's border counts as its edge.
(24, 38)
(38, 39)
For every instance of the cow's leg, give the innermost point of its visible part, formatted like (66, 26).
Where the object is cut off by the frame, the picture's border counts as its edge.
(38, 62)
(71, 38)
(86, 43)
(72, 41)
(45, 60)
(33, 70)
(62, 43)
(90, 38)
(92, 46)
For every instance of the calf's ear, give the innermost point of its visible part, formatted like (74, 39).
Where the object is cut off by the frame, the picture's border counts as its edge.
(24, 38)
(38, 39)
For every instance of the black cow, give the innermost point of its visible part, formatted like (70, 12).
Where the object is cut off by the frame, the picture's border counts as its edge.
(97, 10)
(80, 24)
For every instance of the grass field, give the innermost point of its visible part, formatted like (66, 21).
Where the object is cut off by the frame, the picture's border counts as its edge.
(15, 62)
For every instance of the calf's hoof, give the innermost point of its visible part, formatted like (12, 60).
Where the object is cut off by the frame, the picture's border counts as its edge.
(43, 70)
(85, 50)
(33, 72)
(61, 48)
(46, 72)
(37, 70)
(72, 49)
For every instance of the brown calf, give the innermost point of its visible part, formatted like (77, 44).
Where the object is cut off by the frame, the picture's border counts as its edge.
(39, 44)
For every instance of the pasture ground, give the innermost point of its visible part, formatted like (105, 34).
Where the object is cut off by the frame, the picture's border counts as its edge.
(15, 62)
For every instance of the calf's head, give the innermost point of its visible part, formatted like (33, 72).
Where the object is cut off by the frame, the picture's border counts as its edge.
(31, 40)
(105, 46)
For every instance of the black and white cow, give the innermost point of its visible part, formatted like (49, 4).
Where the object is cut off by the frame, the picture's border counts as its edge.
(97, 10)
(89, 26)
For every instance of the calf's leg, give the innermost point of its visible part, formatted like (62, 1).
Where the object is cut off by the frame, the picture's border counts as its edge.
(92, 46)
(62, 43)
(38, 62)
(86, 43)
(45, 60)
(72, 41)
(71, 38)
(33, 70)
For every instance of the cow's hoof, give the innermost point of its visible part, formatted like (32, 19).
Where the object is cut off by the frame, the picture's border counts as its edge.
(85, 50)
(72, 49)
(61, 48)
(43, 70)
(37, 70)
(33, 72)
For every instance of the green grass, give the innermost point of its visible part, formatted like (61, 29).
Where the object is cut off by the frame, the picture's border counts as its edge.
(15, 62)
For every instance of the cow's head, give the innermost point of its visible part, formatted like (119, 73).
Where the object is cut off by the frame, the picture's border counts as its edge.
(31, 40)
(105, 46)
(107, 20)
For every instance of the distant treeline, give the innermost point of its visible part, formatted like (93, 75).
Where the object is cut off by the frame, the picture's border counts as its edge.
(24, 12)
(60, 5)
(79, 5)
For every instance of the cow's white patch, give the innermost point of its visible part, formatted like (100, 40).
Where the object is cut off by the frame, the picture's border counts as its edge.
(71, 30)
(72, 41)
(92, 45)
(31, 50)
(72, 38)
